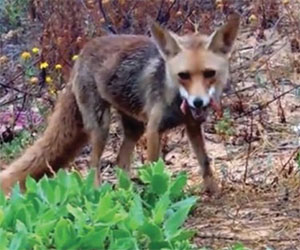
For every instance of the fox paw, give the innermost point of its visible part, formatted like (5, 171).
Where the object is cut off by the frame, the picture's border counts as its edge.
(5, 183)
(97, 180)
(211, 186)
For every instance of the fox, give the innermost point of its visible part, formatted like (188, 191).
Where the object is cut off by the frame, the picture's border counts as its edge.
(155, 83)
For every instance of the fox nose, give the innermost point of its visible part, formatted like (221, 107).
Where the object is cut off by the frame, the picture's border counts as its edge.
(198, 103)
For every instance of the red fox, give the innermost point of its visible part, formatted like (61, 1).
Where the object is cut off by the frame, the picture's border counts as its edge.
(154, 83)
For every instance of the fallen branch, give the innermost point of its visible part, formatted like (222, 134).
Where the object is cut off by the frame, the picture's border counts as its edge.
(235, 238)
(290, 158)
(249, 149)
(263, 106)
(11, 101)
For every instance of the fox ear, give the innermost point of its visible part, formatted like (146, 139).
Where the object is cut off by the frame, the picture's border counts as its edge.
(167, 45)
(223, 39)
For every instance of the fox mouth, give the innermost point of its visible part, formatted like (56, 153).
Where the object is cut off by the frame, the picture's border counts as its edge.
(199, 114)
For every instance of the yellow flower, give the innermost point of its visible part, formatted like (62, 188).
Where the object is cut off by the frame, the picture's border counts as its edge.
(34, 80)
(252, 18)
(178, 13)
(44, 65)
(220, 5)
(48, 79)
(52, 91)
(75, 57)
(58, 66)
(3, 60)
(35, 50)
(25, 55)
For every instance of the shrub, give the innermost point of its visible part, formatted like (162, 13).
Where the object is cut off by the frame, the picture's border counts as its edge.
(67, 212)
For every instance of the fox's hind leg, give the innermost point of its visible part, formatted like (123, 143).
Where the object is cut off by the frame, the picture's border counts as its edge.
(133, 130)
(194, 132)
(98, 140)
(95, 114)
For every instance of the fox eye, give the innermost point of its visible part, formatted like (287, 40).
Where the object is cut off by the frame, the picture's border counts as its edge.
(209, 73)
(184, 75)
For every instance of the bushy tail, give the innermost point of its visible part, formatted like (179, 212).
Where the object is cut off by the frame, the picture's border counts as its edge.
(61, 140)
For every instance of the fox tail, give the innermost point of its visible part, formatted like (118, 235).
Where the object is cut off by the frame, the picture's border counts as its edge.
(62, 139)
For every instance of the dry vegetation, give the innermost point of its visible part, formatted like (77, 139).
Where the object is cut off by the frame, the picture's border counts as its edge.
(254, 147)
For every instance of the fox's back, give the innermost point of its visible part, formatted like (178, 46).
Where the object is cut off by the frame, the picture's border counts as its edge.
(128, 71)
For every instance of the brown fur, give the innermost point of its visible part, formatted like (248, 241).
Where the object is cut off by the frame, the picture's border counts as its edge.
(139, 78)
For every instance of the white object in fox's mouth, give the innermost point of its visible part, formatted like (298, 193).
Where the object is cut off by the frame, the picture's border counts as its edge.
(206, 98)
(199, 114)
(183, 106)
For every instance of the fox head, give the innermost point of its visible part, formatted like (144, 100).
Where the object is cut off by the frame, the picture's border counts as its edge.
(198, 65)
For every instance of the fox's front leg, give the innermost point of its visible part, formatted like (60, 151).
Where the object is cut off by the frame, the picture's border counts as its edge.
(194, 132)
(153, 145)
(153, 134)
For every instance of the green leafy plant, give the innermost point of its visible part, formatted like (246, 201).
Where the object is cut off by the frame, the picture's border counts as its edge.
(224, 126)
(12, 12)
(238, 246)
(11, 149)
(67, 212)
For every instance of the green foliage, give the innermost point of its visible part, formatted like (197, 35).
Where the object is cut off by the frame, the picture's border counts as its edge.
(224, 126)
(237, 246)
(11, 149)
(67, 212)
(12, 12)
